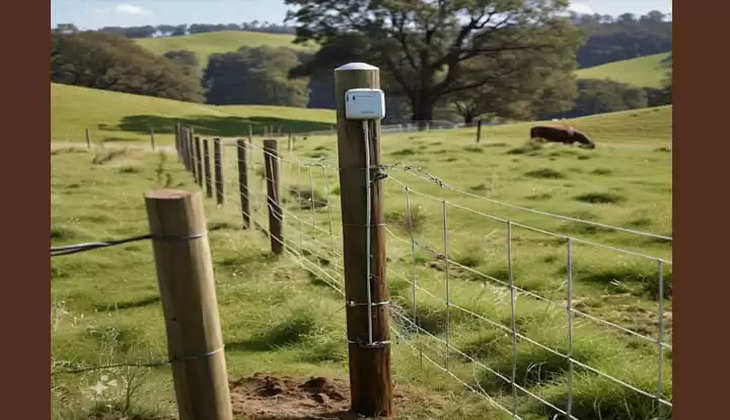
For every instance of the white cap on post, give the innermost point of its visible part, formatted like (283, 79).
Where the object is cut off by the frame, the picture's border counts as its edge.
(356, 66)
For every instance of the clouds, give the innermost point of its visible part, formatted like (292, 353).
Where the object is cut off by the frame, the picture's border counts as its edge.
(580, 8)
(131, 10)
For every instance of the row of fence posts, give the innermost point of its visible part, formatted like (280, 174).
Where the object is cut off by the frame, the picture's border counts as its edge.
(185, 274)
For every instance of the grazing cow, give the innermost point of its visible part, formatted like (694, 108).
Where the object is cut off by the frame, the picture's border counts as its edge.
(567, 135)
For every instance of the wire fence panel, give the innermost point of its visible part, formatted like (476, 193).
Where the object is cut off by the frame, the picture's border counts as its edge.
(523, 316)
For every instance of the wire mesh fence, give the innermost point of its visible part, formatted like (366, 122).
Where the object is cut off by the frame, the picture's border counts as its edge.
(530, 318)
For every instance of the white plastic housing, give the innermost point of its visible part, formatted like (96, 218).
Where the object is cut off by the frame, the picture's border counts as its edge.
(364, 104)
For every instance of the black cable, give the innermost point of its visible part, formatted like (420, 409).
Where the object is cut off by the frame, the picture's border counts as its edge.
(72, 249)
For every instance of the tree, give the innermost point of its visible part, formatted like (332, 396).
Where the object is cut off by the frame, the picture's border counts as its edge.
(426, 46)
(66, 28)
(599, 96)
(187, 60)
(113, 62)
(532, 85)
(254, 76)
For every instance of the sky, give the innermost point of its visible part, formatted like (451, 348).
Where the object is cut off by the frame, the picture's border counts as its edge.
(94, 14)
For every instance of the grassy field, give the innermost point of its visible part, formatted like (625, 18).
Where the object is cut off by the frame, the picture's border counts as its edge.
(277, 317)
(640, 72)
(122, 118)
(205, 44)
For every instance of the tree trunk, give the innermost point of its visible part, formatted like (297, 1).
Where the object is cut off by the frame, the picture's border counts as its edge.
(422, 111)
(468, 118)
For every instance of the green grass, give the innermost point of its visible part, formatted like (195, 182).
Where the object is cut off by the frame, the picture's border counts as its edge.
(115, 117)
(278, 317)
(640, 72)
(205, 44)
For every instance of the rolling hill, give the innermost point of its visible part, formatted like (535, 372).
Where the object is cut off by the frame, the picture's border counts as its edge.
(205, 44)
(122, 117)
(640, 72)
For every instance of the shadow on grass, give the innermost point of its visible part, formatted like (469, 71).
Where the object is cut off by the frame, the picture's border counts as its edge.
(227, 126)
(150, 300)
(291, 331)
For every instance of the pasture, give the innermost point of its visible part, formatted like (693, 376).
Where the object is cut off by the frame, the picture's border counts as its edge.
(279, 317)
(643, 71)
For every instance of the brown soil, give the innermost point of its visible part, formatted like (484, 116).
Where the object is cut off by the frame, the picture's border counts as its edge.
(263, 396)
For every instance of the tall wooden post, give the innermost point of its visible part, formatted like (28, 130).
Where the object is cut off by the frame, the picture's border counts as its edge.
(206, 163)
(288, 142)
(187, 290)
(479, 129)
(218, 170)
(243, 183)
(152, 138)
(250, 132)
(369, 360)
(198, 162)
(88, 140)
(271, 161)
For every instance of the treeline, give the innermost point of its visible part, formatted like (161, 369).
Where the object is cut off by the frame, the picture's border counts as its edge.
(149, 31)
(112, 62)
(626, 36)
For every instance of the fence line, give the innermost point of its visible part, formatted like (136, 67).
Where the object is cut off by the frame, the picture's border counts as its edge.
(312, 253)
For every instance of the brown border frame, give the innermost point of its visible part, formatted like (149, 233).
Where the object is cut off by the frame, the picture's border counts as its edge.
(25, 171)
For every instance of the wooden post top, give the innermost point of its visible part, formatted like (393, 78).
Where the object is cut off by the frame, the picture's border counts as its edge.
(169, 194)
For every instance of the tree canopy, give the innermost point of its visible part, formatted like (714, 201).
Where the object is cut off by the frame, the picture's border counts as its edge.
(112, 62)
(430, 49)
(255, 76)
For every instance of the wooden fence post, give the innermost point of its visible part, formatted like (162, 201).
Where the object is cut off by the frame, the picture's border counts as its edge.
(243, 183)
(88, 141)
(218, 170)
(198, 161)
(479, 129)
(369, 361)
(152, 138)
(271, 161)
(176, 129)
(187, 290)
(190, 150)
(250, 132)
(206, 163)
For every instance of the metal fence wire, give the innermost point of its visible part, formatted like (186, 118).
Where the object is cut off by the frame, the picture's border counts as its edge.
(443, 297)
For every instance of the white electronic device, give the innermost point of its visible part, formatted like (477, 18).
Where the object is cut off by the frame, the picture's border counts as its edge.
(364, 104)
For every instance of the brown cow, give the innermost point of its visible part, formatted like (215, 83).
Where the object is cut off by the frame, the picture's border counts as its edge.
(567, 135)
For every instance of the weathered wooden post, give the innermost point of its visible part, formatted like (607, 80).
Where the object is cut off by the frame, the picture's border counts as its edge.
(368, 337)
(218, 171)
(288, 142)
(191, 164)
(198, 161)
(271, 161)
(250, 132)
(479, 129)
(187, 291)
(88, 140)
(206, 163)
(243, 183)
(152, 138)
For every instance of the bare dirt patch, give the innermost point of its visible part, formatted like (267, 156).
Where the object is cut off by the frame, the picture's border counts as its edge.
(267, 396)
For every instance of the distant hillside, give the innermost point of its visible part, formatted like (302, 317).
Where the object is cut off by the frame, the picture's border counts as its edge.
(611, 39)
(122, 117)
(640, 72)
(205, 44)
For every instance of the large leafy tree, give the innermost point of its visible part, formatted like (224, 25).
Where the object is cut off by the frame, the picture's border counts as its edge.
(254, 76)
(522, 86)
(429, 48)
